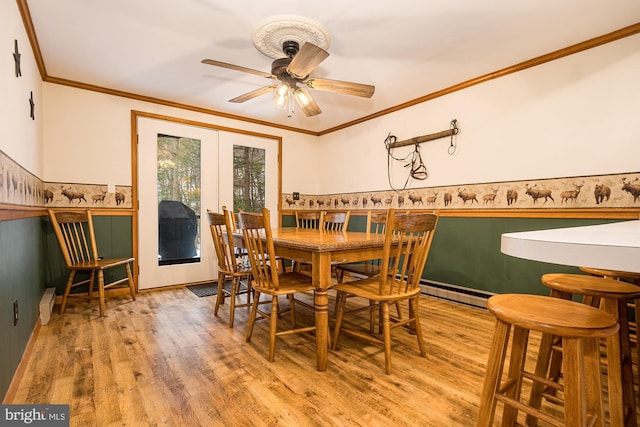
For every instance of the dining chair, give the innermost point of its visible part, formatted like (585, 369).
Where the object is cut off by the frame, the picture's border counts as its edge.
(241, 251)
(376, 223)
(407, 242)
(230, 264)
(256, 229)
(77, 240)
(335, 220)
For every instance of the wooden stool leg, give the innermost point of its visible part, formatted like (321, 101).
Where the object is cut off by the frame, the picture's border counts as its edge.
(593, 380)
(514, 378)
(542, 367)
(636, 308)
(493, 375)
(620, 373)
(629, 398)
(578, 354)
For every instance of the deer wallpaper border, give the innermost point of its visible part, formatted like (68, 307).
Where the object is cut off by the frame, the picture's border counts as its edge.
(598, 191)
(20, 187)
(64, 195)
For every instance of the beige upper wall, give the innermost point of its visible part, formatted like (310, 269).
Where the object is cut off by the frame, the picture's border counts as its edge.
(87, 138)
(570, 117)
(20, 136)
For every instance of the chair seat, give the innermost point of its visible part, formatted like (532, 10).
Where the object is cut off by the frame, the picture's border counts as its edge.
(100, 264)
(370, 289)
(241, 270)
(289, 283)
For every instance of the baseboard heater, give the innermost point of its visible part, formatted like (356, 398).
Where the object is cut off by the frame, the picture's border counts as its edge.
(473, 297)
(46, 305)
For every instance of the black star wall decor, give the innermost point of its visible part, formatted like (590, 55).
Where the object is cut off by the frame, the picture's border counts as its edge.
(16, 59)
(32, 107)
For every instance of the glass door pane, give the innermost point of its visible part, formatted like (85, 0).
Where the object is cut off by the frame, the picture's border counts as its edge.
(179, 176)
(251, 164)
(248, 178)
(177, 182)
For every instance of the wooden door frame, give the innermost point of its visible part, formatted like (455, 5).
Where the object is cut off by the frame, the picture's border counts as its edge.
(135, 115)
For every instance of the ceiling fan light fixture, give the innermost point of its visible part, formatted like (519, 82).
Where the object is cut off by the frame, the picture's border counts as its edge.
(282, 94)
(302, 97)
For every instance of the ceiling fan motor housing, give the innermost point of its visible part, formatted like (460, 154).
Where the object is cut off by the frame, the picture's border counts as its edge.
(279, 68)
(290, 48)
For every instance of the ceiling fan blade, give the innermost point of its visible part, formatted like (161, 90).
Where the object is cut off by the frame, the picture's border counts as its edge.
(337, 86)
(238, 68)
(253, 94)
(306, 60)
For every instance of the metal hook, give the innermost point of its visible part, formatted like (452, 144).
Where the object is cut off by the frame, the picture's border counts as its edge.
(454, 131)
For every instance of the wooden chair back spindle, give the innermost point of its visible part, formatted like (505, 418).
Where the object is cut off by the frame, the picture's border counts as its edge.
(407, 242)
(72, 231)
(312, 219)
(254, 228)
(335, 220)
(222, 244)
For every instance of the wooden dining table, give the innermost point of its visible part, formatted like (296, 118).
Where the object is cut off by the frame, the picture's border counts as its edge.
(321, 249)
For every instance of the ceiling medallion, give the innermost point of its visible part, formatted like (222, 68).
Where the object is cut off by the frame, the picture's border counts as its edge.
(271, 33)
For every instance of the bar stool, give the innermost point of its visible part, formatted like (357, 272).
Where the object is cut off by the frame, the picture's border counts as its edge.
(580, 333)
(629, 277)
(612, 296)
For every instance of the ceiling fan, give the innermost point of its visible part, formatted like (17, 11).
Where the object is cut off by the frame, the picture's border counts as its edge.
(292, 70)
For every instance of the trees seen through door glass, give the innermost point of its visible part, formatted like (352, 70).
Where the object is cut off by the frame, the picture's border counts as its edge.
(248, 178)
(179, 202)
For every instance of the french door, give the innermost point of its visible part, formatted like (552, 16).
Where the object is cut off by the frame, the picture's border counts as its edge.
(183, 171)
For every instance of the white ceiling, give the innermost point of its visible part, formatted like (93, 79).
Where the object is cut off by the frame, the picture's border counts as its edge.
(406, 48)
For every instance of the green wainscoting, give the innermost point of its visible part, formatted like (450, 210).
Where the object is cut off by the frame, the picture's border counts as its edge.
(21, 279)
(466, 252)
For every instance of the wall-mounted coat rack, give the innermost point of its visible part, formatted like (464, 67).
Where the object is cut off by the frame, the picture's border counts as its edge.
(424, 138)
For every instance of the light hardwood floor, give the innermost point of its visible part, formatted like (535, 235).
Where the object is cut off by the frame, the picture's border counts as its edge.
(164, 359)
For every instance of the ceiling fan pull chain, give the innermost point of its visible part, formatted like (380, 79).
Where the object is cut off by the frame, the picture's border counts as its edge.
(290, 104)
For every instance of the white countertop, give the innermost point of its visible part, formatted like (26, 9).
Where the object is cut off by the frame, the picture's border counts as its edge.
(612, 246)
